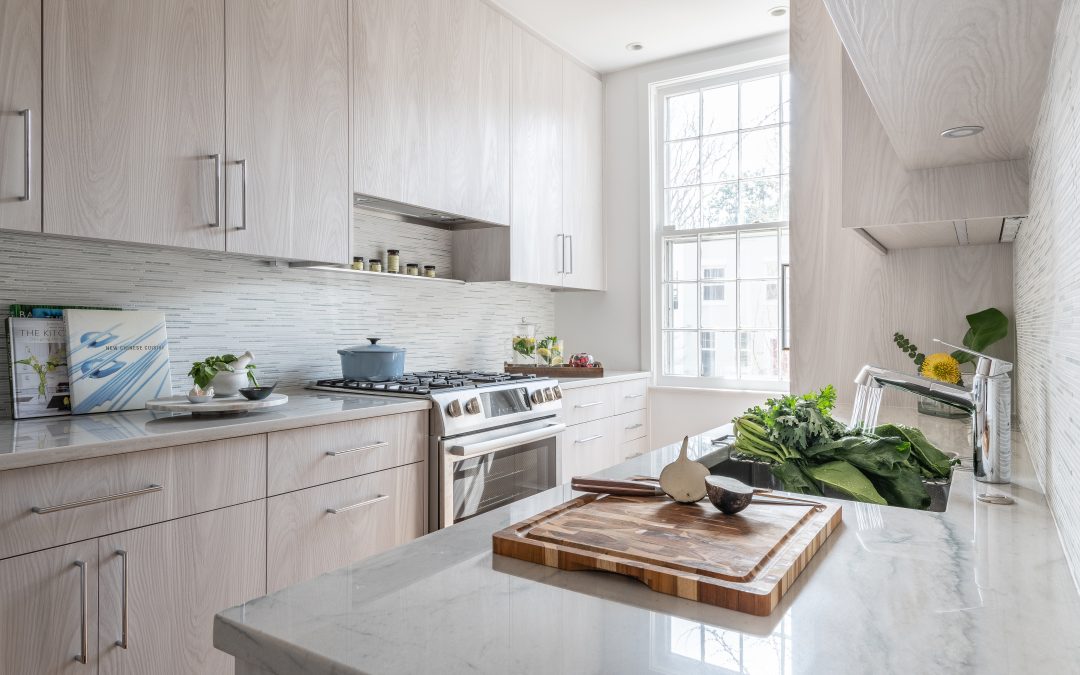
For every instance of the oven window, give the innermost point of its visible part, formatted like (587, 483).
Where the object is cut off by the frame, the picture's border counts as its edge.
(505, 401)
(490, 481)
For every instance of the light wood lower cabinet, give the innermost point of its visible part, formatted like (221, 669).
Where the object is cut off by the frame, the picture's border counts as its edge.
(42, 615)
(607, 423)
(179, 574)
(326, 527)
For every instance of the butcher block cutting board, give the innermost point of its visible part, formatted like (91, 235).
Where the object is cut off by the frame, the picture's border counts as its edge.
(745, 562)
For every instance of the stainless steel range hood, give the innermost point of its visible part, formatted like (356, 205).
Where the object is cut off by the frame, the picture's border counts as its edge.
(385, 208)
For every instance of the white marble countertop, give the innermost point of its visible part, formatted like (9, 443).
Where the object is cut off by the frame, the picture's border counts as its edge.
(976, 589)
(59, 439)
(609, 376)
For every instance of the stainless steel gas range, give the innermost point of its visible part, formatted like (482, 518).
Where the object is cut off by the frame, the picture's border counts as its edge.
(494, 437)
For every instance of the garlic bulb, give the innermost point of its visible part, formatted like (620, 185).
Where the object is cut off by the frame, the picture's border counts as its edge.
(684, 480)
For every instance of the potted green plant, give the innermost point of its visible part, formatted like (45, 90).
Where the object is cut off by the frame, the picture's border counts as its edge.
(226, 373)
(984, 329)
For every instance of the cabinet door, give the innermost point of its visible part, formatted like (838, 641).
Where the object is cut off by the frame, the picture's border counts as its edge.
(431, 105)
(43, 615)
(179, 574)
(136, 97)
(373, 513)
(582, 178)
(287, 118)
(536, 232)
(20, 115)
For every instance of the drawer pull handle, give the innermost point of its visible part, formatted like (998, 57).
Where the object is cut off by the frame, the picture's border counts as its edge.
(634, 395)
(589, 405)
(153, 487)
(366, 502)
(590, 439)
(372, 446)
(123, 641)
(84, 619)
(634, 426)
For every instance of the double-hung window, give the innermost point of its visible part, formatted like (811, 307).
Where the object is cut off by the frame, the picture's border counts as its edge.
(721, 184)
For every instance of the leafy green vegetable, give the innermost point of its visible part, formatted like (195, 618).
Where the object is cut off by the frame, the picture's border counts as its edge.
(794, 479)
(904, 489)
(846, 478)
(932, 461)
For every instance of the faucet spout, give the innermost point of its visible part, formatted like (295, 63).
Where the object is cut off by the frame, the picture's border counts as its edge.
(942, 392)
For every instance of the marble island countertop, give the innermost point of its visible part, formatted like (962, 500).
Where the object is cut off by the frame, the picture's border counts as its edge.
(977, 589)
(59, 439)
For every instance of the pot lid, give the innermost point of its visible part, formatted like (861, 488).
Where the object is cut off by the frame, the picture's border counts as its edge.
(373, 348)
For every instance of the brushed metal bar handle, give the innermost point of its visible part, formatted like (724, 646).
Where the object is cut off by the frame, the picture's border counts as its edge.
(243, 193)
(570, 268)
(589, 405)
(372, 446)
(83, 627)
(785, 272)
(27, 116)
(590, 439)
(561, 239)
(217, 189)
(633, 395)
(635, 426)
(153, 487)
(123, 641)
(357, 505)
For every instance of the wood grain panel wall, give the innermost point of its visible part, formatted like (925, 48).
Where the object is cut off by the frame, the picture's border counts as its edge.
(847, 301)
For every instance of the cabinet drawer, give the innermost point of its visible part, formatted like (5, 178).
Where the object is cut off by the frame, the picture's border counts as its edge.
(587, 448)
(376, 512)
(301, 458)
(192, 478)
(631, 425)
(632, 395)
(634, 448)
(589, 403)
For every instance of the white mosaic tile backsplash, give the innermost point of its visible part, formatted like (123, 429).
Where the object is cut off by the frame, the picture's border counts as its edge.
(293, 320)
(1047, 273)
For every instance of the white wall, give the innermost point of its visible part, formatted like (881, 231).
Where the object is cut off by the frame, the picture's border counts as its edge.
(612, 325)
(1048, 290)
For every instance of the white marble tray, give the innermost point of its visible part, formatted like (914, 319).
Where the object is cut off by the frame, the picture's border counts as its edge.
(230, 405)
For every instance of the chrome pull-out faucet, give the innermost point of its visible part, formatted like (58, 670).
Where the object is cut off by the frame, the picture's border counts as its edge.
(989, 401)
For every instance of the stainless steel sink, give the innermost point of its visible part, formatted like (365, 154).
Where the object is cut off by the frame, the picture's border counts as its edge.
(721, 463)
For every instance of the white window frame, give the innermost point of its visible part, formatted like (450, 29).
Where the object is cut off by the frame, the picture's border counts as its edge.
(658, 93)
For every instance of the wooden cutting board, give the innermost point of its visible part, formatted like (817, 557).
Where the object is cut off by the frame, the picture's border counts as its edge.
(744, 562)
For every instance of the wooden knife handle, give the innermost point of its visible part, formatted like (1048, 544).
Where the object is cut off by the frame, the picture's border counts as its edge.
(613, 487)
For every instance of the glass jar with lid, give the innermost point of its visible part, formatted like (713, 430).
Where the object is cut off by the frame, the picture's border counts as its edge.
(412, 269)
(393, 261)
(524, 343)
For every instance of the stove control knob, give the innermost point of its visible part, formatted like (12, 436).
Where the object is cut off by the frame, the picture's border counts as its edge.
(472, 406)
(557, 392)
(454, 408)
(549, 395)
(537, 396)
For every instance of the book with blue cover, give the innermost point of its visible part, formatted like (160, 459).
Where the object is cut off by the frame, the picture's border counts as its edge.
(116, 360)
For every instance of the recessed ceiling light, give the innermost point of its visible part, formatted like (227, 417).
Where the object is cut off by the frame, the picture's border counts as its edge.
(778, 11)
(634, 47)
(962, 132)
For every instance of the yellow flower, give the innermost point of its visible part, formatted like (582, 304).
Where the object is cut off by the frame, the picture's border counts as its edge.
(941, 367)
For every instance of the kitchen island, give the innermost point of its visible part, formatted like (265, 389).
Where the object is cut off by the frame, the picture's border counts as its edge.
(979, 588)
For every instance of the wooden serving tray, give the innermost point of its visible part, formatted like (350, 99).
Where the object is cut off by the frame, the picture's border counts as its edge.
(745, 562)
(564, 370)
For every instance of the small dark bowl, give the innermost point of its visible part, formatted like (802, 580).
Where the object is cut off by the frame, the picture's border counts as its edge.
(257, 393)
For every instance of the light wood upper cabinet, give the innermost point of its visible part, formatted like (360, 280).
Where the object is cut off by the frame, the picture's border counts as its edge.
(582, 222)
(135, 94)
(536, 232)
(20, 115)
(179, 574)
(431, 105)
(287, 117)
(42, 615)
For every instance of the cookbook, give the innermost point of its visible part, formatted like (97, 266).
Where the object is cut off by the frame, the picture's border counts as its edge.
(116, 360)
(37, 353)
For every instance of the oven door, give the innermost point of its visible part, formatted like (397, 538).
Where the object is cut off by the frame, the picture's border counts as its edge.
(483, 471)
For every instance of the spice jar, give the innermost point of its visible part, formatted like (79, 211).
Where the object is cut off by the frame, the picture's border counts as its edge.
(412, 269)
(375, 265)
(393, 261)
(429, 271)
(358, 263)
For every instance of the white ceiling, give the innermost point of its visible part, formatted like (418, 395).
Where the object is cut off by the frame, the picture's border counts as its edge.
(596, 32)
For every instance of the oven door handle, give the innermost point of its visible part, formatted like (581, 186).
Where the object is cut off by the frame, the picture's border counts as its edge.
(497, 444)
